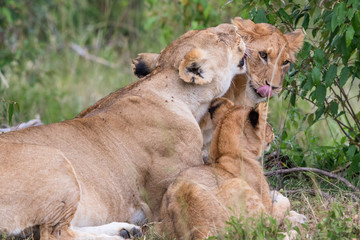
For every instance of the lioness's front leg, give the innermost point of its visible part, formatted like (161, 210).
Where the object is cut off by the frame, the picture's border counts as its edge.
(122, 229)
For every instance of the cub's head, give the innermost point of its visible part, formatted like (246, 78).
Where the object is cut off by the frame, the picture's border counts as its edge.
(241, 131)
(269, 56)
(209, 56)
(201, 56)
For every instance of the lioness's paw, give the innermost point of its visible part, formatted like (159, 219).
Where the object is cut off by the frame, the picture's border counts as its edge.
(135, 232)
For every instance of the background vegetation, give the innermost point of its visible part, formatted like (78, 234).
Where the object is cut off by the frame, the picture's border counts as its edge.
(58, 57)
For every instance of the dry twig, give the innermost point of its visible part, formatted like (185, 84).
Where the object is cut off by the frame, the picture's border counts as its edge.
(314, 170)
(325, 195)
(342, 168)
(84, 53)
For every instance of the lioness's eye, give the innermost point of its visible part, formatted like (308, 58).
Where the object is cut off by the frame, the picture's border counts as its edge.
(285, 62)
(263, 55)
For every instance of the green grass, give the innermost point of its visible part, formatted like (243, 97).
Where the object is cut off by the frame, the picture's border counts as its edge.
(59, 84)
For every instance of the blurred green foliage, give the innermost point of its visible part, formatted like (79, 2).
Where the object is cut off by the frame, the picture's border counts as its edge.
(338, 223)
(317, 117)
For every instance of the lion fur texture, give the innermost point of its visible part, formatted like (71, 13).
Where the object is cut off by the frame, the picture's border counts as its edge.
(201, 200)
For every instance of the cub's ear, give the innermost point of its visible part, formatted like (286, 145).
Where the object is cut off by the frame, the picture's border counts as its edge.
(144, 64)
(254, 117)
(218, 108)
(295, 40)
(258, 115)
(193, 69)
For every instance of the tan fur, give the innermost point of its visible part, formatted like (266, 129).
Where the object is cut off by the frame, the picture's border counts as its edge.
(258, 37)
(116, 159)
(202, 198)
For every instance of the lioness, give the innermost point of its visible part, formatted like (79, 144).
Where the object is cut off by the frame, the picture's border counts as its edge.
(116, 159)
(269, 56)
(197, 204)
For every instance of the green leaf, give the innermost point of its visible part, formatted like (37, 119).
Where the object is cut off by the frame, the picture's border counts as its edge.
(350, 13)
(306, 21)
(349, 35)
(341, 12)
(330, 75)
(316, 76)
(355, 21)
(355, 165)
(334, 107)
(285, 15)
(260, 17)
(351, 151)
(293, 98)
(344, 76)
(207, 11)
(318, 113)
(358, 115)
(305, 50)
(319, 57)
(320, 94)
(310, 119)
(354, 3)
(272, 18)
(334, 22)
(10, 112)
(7, 15)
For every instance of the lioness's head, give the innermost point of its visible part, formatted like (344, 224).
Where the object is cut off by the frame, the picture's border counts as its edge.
(269, 56)
(241, 131)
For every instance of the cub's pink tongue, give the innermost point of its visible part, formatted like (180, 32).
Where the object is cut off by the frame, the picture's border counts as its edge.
(265, 91)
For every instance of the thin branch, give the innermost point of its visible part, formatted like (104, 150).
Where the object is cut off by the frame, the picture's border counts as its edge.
(350, 109)
(325, 195)
(341, 124)
(342, 168)
(345, 109)
(313, 192)
(84, 53)
(3, 80)
(314, 170)
(287, 24)
(345, 133)
(346, 106)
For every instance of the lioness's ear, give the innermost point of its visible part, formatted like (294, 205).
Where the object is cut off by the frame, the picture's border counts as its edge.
(295, 40)
(192, 68)
(144, 64)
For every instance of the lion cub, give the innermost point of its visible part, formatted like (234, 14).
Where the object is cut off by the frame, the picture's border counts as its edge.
(202, 198)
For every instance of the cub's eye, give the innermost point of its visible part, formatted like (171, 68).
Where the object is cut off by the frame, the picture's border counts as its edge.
(242, 62)
(263, 55)
(285, 62)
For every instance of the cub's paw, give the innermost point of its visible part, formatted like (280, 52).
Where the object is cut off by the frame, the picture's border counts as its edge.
(291, 235)
(295, 218)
